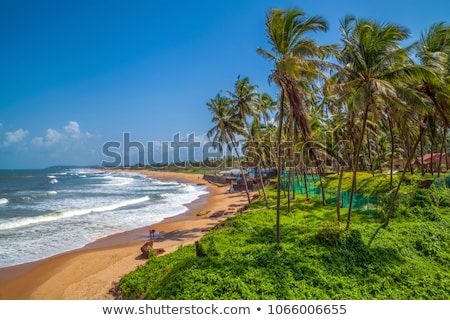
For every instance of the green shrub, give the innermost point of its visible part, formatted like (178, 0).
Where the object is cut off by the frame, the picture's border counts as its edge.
(443, 196)
(330, 234)
(427, 213)
(421, 198)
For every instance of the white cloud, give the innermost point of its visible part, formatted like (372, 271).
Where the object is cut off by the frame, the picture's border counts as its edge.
(63, 138)
(38, 141)
(51, 138)
(14, 137)
(73, 129)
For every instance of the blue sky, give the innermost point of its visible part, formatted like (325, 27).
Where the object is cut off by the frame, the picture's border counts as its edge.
(77, 74)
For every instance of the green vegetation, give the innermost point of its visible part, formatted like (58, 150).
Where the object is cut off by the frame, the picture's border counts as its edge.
(316, 259)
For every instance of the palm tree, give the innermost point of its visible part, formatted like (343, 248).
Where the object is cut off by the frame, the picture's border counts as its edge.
(265, 106)
(433, 51)
(244, 102)
(374, 70)
(243, 99)
(227, 126)
(291, 52)
(255, 149)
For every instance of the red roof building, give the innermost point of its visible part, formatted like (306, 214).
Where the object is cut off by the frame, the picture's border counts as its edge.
(431, 158)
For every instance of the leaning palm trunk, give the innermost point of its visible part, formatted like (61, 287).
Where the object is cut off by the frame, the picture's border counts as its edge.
(244, 178)
(279, 165)
(300, 120)
(338, 194)
(322, 189)
(289, 191)
(291, 168)
(369, 151)
(422, 167)
(292, 171)
(432, 156)
(263, 187)
(391, 173)
(258, 167)
(356, 160)
(305, 183)
(394, 196)
(446, 153)
(293, 184)
(442, 150)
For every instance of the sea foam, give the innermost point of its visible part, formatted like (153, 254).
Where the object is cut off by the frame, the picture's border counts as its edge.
(17, 223)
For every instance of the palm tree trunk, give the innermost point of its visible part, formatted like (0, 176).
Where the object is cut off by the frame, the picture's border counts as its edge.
(305, 183)
(394, 197)
(338, 194)
(258, 167)
(244, 178)
(408, 153)
(261, 181)
(293, 183)
(422, 167)
(391, 174)
(441, 151)
(289, 191)
(291, 161)
(446, 152)
(279, 165)
(293, 166)
(322, 189)
(356, 159)
(431, 159)
(370, 156)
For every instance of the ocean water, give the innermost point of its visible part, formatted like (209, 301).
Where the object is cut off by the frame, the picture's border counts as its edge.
(51, 211)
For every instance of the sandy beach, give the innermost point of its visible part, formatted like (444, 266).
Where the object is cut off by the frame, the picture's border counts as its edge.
(89, 273)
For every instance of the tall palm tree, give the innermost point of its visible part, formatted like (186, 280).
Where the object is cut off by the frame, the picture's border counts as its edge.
(256, 150)
(227, 127)
(433, 50)
(375, 67)
(244, 103)
(291, 52)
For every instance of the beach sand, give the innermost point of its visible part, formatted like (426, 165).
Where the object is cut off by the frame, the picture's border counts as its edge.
(89, 273)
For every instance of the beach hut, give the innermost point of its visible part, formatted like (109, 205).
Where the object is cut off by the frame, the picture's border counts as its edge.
(432, 161)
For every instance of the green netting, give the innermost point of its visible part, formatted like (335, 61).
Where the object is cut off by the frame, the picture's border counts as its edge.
(361, 203)
(442, 182)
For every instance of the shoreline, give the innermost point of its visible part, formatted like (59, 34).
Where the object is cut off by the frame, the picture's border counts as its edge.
(91, 271)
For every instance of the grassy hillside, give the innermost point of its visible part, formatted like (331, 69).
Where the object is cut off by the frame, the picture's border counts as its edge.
(409, 259)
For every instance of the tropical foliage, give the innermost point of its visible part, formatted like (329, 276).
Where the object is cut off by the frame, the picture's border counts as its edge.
(366, 103)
